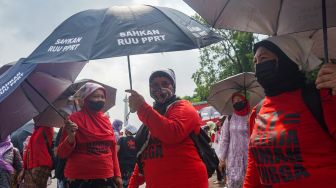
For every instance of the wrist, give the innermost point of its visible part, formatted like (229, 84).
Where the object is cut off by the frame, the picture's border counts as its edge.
(71, 139)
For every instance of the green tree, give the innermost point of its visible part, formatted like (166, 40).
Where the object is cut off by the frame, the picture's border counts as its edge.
(231, 56)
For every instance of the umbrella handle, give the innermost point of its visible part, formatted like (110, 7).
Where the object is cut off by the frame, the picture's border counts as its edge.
(129, 71)
(45, 99)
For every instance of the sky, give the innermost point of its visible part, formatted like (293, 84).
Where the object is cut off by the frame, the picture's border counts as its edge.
(25, 24)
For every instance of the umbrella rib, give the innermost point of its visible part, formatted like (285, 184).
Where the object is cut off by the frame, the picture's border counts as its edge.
(27, 96)
(278, 17)
(220, 14)
(256, 93)
(172, 22)
(98, 33)
(222, 110)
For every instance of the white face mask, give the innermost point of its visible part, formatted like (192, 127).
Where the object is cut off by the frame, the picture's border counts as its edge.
(161, 89)
(161, 95)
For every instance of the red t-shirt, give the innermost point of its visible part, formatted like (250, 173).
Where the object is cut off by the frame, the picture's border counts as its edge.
(288, 148)
(93, 155)
(171, 158)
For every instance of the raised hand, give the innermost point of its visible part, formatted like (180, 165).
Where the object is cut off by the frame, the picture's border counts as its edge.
(135, 101)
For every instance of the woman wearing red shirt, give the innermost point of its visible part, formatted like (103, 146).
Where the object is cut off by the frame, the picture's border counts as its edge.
(288, 147)
(88, 143)
(167, 155)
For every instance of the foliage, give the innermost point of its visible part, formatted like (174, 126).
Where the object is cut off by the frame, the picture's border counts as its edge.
(231, 56)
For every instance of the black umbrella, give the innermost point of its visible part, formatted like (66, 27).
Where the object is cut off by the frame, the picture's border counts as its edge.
(122, 31)
(20, 135)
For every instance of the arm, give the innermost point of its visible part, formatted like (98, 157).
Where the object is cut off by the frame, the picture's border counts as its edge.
(326, 82)
(180, 120)
(116, 167)
(68, 139)
(17, 160)
(329, 107)
(326, 77)
(136, 179)
(65, 148)
(224, 140)
(252, 179)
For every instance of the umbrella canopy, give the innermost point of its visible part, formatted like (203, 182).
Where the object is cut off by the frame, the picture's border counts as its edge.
(317, 37)
(221, 92)
(19, 101)
(20, 135)
(50, 118)
(121, 31)
(275, 17)
(5, 67)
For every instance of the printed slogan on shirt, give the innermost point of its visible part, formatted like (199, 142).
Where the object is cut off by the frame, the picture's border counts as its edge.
(277, 151)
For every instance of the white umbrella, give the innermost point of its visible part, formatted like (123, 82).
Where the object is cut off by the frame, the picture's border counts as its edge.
(221, 92)
(270, 17)
(317, 37)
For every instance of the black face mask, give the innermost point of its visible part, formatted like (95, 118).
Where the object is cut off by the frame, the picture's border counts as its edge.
(96, 105)
(238, 106)
(267, 73)
(278, 77)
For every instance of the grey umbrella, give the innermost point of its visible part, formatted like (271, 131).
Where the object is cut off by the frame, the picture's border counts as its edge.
(122, 31)
(221, 92)
(275, 17)
(50, 117)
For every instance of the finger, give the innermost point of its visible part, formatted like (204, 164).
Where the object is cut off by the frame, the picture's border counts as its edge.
(326, 69)
(324, 78)
(328, 84)
(132, 92)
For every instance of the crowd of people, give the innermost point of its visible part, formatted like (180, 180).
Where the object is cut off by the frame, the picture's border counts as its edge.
(274, 144)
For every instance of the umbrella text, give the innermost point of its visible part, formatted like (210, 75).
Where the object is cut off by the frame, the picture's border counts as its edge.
(11, 82)
(71, 44)
(142, 40)
(142, 37)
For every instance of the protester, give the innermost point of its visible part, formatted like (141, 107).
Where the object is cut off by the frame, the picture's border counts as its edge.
(117, 126)
(37, 158)
(88, 143)
(11, 166)
(289, 146)
(233, 146)
(221, 170)
(167, 155)
(127, 153)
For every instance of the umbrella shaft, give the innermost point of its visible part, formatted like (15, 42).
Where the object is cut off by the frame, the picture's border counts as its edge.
(325, 32)
(129, 71)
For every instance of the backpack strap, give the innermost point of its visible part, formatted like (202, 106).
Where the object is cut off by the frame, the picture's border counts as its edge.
(312, 99)
(259, 105)
(48, 147)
